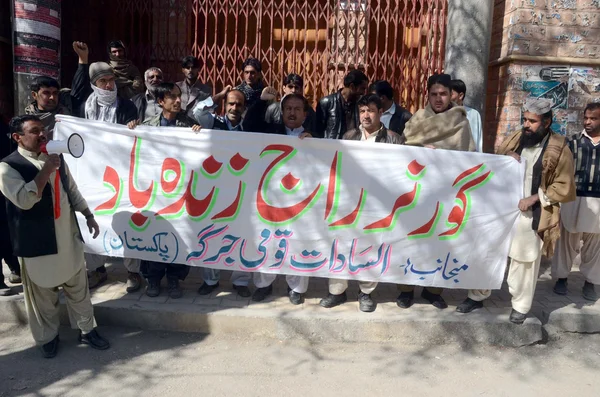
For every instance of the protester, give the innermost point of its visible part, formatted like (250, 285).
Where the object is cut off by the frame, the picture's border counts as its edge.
(146, 103)
(459, 90)
(294, 112)
(168, 97)
(103, 104)
(394, 116)
(370, 129)
(48, 100)
(337, 113)
(292, 84)
(127, 76)
(442, 125)
(253, 84)
(42, 200)
(192, 89)
(549, 182)
(580, 219)
(235, 105)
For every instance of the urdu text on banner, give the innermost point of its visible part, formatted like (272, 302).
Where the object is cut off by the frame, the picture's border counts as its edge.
(277, 204)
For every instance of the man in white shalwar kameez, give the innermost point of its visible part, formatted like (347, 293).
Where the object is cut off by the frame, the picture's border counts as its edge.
(580, 219)
(548, 182)
(42, 197)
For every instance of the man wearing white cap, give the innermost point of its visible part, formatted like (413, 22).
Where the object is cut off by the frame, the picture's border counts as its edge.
(548, 182)
(103, 104)
(580, 220)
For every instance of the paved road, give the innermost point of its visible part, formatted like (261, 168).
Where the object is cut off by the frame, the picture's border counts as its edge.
(173, 364)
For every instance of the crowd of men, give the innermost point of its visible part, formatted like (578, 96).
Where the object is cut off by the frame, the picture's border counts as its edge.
(43, 246)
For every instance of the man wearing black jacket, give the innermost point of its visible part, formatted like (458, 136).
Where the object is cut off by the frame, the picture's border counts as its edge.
(337, 112)
(49, 100)
(394, 116)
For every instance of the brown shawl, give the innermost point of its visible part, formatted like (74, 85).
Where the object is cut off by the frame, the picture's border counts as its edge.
(128, 78)
(448, 130)
(558, 183)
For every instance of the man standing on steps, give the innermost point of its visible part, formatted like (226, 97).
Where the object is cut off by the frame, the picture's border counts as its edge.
(370, 129)
(394, 116)
(42, 198)
(294, 112)
(192, 89)
(549, 182)
(459, 90)
(580, 219)
(146, 103)
(168, 97)
(337, 113)
(442, 125)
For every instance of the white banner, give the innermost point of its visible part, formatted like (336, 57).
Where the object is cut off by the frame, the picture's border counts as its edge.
(277, 204)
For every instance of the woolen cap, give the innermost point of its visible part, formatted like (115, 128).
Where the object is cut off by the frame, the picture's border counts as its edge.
(99, 69)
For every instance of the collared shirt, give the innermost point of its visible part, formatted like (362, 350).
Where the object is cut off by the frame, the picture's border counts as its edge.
(365, 136)
(231, 127)
(167, 123)
(295, 131)
(585, 134)
(152, 108)
(386, 117)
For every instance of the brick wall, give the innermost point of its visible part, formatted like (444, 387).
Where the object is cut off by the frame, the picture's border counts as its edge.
(547, 48)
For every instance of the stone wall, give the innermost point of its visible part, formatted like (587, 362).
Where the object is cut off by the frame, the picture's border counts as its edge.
(548, 48)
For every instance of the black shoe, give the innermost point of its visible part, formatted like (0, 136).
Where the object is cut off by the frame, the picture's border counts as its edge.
(560, 288)
(332, 300)
(589, 292)
(14, 278)
(468, 306)
(405, 299)
(366, 303)
(50, 349)
(175, 291)
(434, 299)
(296, 298)
(242, 290)
(516, 317)
(94, 340)
(261, 293)
(5, 290)
(206, 289)
(153, 288)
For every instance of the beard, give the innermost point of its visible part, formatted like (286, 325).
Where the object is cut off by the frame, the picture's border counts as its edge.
(530, 139)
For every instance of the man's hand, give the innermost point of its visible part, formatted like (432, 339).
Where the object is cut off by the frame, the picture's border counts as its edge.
(219, 97)
(132, 124)
(305, 135)
(526, 203)
(82, 50)
(52, 164)
(196, 128)
(269, 94)
(514, 156)
(93, 227)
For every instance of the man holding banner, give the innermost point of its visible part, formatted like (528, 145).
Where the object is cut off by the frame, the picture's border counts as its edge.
(441, 125)
(370, 129)
(43, 198)
(549, 181)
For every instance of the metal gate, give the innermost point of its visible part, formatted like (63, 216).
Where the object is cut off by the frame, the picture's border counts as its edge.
(401, 41)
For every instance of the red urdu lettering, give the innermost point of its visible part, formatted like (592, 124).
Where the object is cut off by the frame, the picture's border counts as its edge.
(111, 177)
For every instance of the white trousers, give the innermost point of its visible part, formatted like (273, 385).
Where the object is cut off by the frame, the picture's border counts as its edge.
(339, 286)
(42, 308)
(522, 280)
(93, 262)
(298, 284)
(567, 248)
(212, 277)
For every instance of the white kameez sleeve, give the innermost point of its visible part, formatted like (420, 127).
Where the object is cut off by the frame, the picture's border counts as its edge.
(544, 200)
(77, 201)
(13, 187)
(203, 113)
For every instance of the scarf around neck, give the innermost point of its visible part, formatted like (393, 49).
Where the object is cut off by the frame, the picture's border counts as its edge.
(102, 105)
